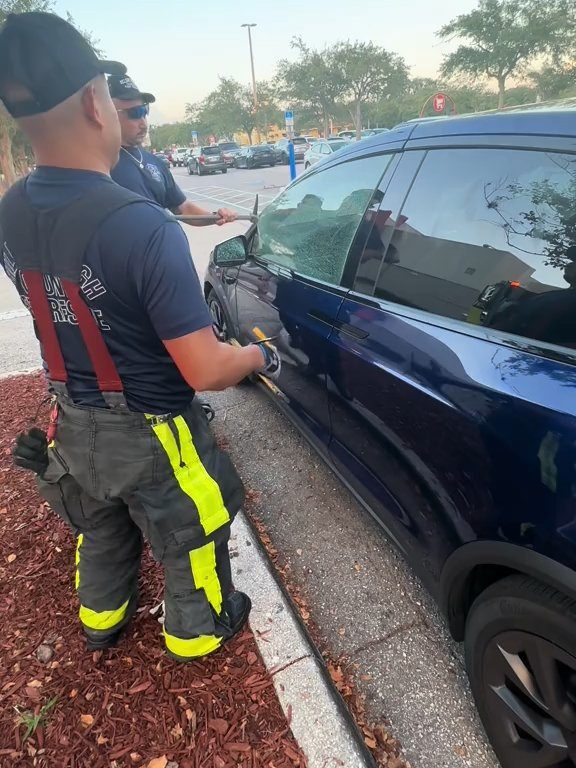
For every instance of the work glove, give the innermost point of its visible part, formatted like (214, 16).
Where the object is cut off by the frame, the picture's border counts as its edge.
(272, 363)
(31, 451)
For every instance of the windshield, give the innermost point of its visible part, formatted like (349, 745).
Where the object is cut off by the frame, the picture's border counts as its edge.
(300, 140)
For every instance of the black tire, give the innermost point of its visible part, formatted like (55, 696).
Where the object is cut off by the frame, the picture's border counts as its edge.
(224, 170)
(272, 164)
(190, 172)
(521, 661)
(199, 170)
(220, 321)
(285, 159)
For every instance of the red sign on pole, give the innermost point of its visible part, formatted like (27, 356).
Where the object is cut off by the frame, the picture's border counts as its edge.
(439, 102)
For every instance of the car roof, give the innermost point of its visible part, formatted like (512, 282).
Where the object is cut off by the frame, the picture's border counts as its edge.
(551, 119)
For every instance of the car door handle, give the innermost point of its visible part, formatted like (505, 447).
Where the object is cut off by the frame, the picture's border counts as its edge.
(347, 328)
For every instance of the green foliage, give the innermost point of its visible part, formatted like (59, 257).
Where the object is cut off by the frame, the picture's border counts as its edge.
(163, 136)
(32, 722)
(501, 37)
(310, 85)
(553, 82)
(230, 108)
(344, 76)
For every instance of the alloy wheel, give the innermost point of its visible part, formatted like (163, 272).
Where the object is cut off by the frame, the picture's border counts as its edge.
(530, 686)
(218, 319)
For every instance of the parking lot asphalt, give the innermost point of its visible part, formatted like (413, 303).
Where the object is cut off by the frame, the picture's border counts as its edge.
(363, 596)
(236, 189)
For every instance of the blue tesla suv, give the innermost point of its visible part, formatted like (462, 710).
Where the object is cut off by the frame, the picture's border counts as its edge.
(421, 286)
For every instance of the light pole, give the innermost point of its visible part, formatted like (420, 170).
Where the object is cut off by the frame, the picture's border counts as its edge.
(254, 89)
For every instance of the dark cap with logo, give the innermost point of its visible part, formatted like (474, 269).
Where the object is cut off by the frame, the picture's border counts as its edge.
(124, 88)
(43, 61)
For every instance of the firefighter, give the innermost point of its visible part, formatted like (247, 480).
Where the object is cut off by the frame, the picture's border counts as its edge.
(138, 169)
(126, 340)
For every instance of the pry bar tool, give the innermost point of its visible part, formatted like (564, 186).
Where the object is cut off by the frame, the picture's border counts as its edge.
(212, 218)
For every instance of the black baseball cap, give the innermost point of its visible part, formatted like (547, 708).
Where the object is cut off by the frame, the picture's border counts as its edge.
(48, 59)
(124, 88)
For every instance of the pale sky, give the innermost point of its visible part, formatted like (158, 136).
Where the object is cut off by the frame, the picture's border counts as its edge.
(176, 49)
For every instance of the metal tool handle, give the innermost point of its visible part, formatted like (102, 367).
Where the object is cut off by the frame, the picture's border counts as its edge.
(211, 218)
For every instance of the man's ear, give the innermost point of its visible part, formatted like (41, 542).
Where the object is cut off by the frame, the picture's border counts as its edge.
(90, 104)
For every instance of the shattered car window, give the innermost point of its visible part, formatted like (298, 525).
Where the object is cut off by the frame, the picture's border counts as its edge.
(310, 227)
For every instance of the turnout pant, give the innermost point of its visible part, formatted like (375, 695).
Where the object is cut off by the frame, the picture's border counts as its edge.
(115, 476)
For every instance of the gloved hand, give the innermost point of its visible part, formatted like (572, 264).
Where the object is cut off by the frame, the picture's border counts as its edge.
(31, 451)
(272, 362)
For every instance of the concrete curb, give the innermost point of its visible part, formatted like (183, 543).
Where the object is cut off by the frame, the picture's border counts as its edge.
(24, 372)
(308, 700)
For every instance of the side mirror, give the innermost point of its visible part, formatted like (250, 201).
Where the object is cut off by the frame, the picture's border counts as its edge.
(231, 253)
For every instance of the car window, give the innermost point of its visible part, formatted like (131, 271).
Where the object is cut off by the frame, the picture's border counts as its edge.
(488, 236)
(310, 227)
(211, 150)
(228, 145)
(299, 140)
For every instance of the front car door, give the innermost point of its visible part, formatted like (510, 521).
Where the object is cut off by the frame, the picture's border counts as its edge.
(453, 408)
(292, 288)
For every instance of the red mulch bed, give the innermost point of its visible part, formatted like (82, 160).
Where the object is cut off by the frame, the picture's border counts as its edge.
(130, 706)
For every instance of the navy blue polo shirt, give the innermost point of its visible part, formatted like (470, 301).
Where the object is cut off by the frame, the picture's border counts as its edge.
(141, 285)
(153, 181)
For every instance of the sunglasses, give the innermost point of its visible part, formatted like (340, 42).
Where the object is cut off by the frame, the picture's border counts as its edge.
(136, 113)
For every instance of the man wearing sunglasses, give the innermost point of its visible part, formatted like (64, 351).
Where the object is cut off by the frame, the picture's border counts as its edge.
(137, 169)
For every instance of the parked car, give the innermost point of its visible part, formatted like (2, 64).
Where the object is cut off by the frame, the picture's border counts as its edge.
(180, 156)
(312, 139)
(322, 149)
(255, 157)
(229, 149)
(301, 146)
(208, 159)
(163, 158)
(350, 135)
(421, 288)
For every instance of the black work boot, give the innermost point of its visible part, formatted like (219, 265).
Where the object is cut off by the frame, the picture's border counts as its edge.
(97, 640)
(233, 616)
(236, 608)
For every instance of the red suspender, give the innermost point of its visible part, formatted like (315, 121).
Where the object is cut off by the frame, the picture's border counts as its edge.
(45, 325)
(101, 359)
(104, 367)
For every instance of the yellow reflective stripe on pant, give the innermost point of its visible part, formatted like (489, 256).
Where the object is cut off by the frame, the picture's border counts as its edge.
(100, 620)
(192, 648)
(77, 560)
(205, 576)
(193, 478)
(203, 564)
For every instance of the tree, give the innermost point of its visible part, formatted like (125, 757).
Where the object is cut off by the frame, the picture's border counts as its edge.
(366, 73)
(162, 136)
(504, 36)
(310, 85)
(553, 82)
(227, 109)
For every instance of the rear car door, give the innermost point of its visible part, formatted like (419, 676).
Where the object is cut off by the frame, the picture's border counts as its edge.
(292, 289)
(452, 407)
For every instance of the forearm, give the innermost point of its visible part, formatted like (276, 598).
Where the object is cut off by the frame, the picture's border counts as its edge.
(188, 208)
(207, 364)
(231, 365)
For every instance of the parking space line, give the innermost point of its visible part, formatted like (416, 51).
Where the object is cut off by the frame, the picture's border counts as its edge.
(200, 197)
